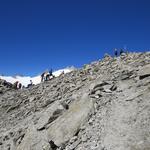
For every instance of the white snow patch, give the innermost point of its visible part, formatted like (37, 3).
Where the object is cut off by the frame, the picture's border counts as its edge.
(25, 80)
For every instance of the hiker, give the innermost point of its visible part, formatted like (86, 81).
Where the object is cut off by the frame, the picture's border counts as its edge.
(29, 85)
(121, 51)
(19, 86)
(51, 73)
(116, 52)
(42, 76)
(15, 85)
(46, 76)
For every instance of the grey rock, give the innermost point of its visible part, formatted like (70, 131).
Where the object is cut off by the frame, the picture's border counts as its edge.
(50, 114)
(84, 138)
(70, 122)
(34, 140)
(144, 72)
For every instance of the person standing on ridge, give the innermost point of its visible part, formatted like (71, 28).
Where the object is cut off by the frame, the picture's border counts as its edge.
(51, 73)
(116, 52)
(121, 51)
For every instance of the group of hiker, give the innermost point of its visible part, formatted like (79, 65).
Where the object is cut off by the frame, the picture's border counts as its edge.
(47, 75)
(17, 85)
(118, 52)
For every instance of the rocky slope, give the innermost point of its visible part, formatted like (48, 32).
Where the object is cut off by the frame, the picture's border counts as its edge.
(5, 86)
(103, 106)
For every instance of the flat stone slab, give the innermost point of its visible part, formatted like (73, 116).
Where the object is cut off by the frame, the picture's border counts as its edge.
(67, 125)
(144, 71)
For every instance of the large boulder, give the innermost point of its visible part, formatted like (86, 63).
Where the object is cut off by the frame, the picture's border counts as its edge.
(34, 140)
(56, 126)
(144, 71)
(4, 86)
(35, 137)
(66, 126)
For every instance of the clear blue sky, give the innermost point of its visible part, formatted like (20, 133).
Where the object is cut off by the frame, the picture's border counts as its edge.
(40, 34)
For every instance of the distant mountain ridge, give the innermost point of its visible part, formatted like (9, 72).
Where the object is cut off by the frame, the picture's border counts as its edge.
(25, 80)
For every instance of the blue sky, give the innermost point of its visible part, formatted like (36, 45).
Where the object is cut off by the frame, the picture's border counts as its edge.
(40, 34)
